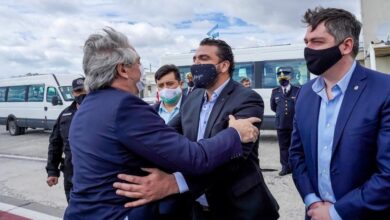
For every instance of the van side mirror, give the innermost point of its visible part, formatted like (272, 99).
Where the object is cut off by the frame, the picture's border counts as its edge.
(56, 101)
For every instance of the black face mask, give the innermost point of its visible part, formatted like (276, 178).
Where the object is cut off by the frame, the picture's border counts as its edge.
(284, 82)
(204, 75)
(318, 61)
(190, 84)
(79, 99)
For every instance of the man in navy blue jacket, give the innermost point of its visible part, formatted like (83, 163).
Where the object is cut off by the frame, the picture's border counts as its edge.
(340, 147)
(114, 132)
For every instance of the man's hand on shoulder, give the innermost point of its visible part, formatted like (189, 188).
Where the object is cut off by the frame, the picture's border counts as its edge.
(245, 128)
(146, 189)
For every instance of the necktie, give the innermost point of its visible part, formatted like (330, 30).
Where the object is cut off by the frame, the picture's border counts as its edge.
(285, 91)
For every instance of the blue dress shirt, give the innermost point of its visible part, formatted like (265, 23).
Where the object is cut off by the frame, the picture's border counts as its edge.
(329, 111)
(207, 107)
(165, 114)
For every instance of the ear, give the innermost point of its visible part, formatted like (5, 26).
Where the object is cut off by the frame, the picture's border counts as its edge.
(181, 84)
(347, 46)
(121, 71)
(225, 66)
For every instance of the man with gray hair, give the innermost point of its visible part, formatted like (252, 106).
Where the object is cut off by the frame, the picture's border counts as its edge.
(116, 132)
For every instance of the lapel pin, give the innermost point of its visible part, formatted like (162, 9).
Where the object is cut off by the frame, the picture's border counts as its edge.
(356, 87)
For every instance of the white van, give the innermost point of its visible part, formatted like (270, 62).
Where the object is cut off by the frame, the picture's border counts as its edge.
(34, 101)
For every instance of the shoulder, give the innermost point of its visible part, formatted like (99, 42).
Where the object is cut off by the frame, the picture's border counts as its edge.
(245, 93)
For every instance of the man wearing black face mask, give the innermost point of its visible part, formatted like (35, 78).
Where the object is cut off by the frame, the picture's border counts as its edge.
(283, 104)
(236, 190)
(59, 143)
(340, 146)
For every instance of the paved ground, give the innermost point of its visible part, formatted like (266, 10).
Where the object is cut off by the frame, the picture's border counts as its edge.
(22, 180)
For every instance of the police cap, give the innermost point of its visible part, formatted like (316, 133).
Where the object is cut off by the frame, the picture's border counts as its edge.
(78, 84)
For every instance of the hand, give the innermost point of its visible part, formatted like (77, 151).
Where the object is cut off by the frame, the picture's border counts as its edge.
(155, 186)
(52, 180)
(315, 205)
(248, 132)
(320, 211)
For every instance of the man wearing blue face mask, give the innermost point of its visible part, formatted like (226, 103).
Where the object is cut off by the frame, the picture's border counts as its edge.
(340, 146)
(169, 91)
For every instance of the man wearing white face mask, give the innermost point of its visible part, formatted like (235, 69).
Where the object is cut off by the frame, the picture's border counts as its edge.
(169, 90)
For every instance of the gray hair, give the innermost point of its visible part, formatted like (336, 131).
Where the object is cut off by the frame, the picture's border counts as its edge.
(102, 54)
(339, 23)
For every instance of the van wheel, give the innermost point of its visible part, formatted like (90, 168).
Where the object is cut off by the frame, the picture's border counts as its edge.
(13, 128)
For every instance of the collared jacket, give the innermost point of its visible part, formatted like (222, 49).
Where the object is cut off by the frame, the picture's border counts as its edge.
(59, 145)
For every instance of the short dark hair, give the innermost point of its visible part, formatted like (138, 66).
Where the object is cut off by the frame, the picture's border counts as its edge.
(245, 79)
(224, 51)
(164, 70)
(339, 23)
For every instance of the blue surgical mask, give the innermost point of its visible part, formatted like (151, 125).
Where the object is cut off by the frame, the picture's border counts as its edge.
(204, 75)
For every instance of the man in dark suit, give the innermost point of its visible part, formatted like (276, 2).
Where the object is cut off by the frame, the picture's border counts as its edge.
(340, 150)
(283, 104)
(190, 84)
(237, 190)
(114, 132)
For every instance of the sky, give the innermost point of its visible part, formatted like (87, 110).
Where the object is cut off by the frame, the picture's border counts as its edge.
(47, 36)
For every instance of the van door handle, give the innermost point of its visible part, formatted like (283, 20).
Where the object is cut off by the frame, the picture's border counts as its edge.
(45, 108)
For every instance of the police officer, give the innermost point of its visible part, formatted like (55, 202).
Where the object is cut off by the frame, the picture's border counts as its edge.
(59, 143)
(283, 104)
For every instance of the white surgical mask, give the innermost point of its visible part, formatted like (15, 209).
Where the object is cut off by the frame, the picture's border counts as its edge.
(170, 96)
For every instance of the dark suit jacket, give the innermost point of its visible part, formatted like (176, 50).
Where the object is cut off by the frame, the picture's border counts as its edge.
(116, 132)
(284, 107)
(237, 190)
(360, 166)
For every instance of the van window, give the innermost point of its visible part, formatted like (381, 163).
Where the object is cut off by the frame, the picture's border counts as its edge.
(67, 92)
(299, 76)
(244, 70)
(17, 94)
(2, 94)
(35, 93)
(51, 92)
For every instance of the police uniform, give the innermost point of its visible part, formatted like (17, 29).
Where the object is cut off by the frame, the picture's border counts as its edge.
(283, 105)
(59, 144)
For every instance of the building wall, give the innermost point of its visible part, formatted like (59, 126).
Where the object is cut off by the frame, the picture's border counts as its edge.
(376, 28)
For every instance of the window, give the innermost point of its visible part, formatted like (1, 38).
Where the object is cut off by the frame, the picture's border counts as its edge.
(299, 77)
(67, 93)
(244, 70)
(35, 93)
(3, 90)
(51, 92)
(17, 94)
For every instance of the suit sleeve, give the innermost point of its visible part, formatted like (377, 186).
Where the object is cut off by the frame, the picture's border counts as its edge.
(175, 123)
(272, 101)
(143, 132)
(297, 161)
(54, 155)
(374, 194)
(253, 106)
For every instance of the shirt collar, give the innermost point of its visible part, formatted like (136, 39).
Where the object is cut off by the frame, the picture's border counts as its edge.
(162, 107)
(287, 87)
(216, 92)
(319, 84)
